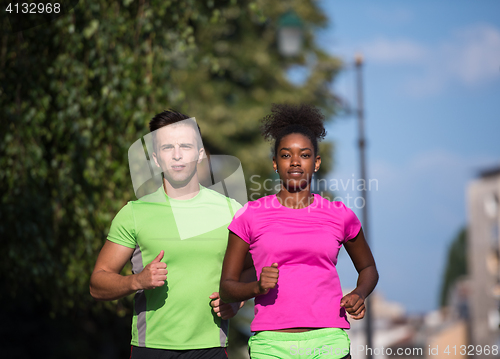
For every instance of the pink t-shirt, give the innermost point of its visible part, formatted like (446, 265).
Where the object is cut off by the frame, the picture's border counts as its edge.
(305, 243)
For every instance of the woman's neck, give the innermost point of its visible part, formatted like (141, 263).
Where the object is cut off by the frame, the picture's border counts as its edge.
(295, 200)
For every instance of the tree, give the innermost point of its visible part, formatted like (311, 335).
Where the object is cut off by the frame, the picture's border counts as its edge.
(76, 92)
(456, 265)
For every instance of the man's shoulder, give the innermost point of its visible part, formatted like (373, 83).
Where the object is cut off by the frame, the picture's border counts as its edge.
(144, 204)
(216, 197)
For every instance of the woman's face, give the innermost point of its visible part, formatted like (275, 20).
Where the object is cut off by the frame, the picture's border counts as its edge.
(296, 162)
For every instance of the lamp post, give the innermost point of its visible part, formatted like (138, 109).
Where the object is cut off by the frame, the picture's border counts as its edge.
(290, 34)
(358, 63)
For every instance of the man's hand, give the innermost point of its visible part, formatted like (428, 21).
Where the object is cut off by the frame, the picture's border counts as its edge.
(154, 274)
(354, 304)
(268, 278)
(224, 310)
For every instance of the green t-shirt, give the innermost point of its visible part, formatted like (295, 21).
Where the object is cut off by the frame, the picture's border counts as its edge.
(193, 234)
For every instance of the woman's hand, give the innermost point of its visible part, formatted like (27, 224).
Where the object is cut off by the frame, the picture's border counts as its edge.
(268, 278)
(224, 310)
(354, 304)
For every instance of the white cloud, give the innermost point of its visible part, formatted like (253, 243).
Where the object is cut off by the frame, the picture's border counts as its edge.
(394, 51)
(393, 16)
(478, 58)
(443, 174)
(470, 56)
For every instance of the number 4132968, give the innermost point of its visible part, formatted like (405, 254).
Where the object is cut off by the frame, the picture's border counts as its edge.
(33, 8)
(472, 350)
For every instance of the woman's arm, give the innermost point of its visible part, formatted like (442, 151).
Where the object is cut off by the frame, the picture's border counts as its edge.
(229, 310)
(231, 288)
(248, 275)
(363, 261)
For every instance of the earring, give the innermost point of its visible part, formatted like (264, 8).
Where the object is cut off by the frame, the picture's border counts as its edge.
(316, 170)
(276, 171)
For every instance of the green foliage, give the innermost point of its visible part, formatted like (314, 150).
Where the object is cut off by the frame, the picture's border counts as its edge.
(75, 93)
(238, 73)
(456, 265)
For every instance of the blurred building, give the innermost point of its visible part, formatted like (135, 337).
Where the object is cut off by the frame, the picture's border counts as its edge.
(394, 332)
(483, 250)
(443, 333)
(446, 331)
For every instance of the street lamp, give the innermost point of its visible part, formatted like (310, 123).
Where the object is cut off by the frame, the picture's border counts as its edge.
(346, 109)
(290, 34)
(358, 63)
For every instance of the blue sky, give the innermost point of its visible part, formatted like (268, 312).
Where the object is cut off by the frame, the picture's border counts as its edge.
(432, 101)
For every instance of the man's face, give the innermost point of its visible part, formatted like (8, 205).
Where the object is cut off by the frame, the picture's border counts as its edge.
(177, 153)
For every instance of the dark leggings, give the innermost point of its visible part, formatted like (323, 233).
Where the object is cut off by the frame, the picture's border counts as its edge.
(150, 353)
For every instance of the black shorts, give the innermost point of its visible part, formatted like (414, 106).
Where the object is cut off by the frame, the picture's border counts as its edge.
(150, 353)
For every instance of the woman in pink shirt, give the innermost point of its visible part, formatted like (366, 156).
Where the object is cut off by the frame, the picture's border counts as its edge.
(294, 238)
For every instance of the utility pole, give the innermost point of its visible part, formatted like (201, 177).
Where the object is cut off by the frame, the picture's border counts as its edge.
(364, 192)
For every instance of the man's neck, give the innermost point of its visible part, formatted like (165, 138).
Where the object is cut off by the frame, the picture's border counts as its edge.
(182, 193)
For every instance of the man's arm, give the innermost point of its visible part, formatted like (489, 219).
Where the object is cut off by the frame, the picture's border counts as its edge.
(106, 282)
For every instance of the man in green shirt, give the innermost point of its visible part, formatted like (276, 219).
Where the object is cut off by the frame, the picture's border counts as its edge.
(176, 238)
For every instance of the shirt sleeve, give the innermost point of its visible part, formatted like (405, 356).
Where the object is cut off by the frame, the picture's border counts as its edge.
(352, 225)
(234, 206)
(122, 229)
(240, 225)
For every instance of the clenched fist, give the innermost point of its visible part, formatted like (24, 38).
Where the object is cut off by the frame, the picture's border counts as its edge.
(154, 274)
(224, 310)
(268, 278)
(354, 304)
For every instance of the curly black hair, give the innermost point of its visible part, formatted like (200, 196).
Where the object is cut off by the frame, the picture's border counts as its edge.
(285, 119)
